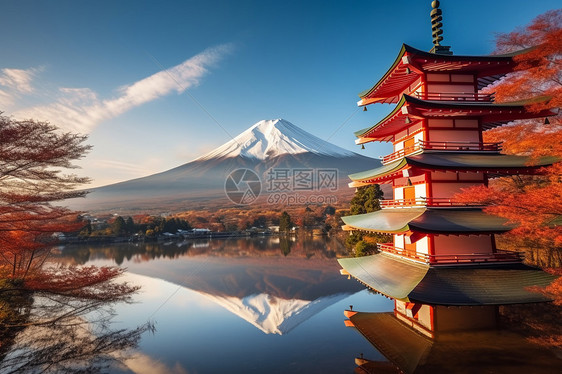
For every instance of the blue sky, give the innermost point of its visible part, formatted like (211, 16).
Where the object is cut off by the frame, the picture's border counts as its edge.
(157, 84)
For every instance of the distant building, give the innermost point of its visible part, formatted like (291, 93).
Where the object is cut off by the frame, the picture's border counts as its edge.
(201, 231)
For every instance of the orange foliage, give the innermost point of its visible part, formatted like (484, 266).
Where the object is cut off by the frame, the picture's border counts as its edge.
(554, 290)
(534, 203)
(32, 157)
(88, 282)
(538, 70)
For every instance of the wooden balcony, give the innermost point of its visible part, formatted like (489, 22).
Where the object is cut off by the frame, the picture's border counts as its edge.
(443, 147)
(455, 96)
(390, 248)
(447, 259)
(401, 153)
(424, 202)
(461, 146)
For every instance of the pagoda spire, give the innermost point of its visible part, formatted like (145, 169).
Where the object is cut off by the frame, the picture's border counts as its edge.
(436, 30)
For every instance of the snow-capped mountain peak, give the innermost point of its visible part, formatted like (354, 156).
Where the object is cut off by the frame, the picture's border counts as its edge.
(274, 315)
(271, 138)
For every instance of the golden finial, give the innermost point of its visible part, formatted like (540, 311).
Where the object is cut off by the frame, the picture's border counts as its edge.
(436, 18)
(436, 30)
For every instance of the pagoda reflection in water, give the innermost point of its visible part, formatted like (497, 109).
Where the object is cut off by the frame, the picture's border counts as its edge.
(441, 339)
(442, 267)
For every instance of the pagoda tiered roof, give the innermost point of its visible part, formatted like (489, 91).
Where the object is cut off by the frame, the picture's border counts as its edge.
(493, 163)
(485, 284)
(412, 63)
(490, 113)
(450, 221)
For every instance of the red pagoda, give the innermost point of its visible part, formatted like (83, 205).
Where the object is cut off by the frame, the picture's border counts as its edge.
(443, 252)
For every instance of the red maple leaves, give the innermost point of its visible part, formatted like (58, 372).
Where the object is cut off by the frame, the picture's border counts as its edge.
(33, 156)
(533, 202)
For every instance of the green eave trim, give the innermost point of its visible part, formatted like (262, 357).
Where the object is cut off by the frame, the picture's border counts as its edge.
(406, 48)
(492, 285)
(429, 220)
(475, 161)
(380, 171)
(452, 105)
(457, 162)
(361, 133)
(448, 285)
(366, 92)
(460, 221)
(386, 274)
(385, 220)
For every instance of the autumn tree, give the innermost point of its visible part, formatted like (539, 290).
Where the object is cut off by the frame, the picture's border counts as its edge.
(285, 223)
(129, 225)
(365, 200)
(537, 72)
(33, 156)
(285, 245)
(118, 226)
(33, 159)
(48, 314)
(534, 203)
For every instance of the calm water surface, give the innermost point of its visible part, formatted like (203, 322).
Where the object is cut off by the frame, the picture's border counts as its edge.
(259, 305)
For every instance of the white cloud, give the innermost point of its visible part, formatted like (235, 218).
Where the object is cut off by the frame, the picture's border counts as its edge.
(18, 79)
(14, 83)
(6, 100)
(80, 110)
(142, 363)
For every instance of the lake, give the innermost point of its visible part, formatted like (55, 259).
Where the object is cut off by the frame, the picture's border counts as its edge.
(246, 305)
(260, 305)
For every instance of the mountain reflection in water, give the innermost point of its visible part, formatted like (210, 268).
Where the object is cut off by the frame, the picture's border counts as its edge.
(251, 305)
(256, 279)
(258, 305)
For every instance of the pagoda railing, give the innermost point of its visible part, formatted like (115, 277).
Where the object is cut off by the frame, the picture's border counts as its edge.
(423, 202)
(442, 146)
(466, 258)
(461, 146)
(390, 248)
(455, 96)
(401, 153)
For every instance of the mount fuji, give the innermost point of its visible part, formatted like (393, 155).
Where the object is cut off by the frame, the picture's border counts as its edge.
(273, 138)
(268, 144)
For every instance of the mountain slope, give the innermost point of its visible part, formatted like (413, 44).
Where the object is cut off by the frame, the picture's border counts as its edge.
(275, 293)
(267, 145)
(272, 315)
(271, 138)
